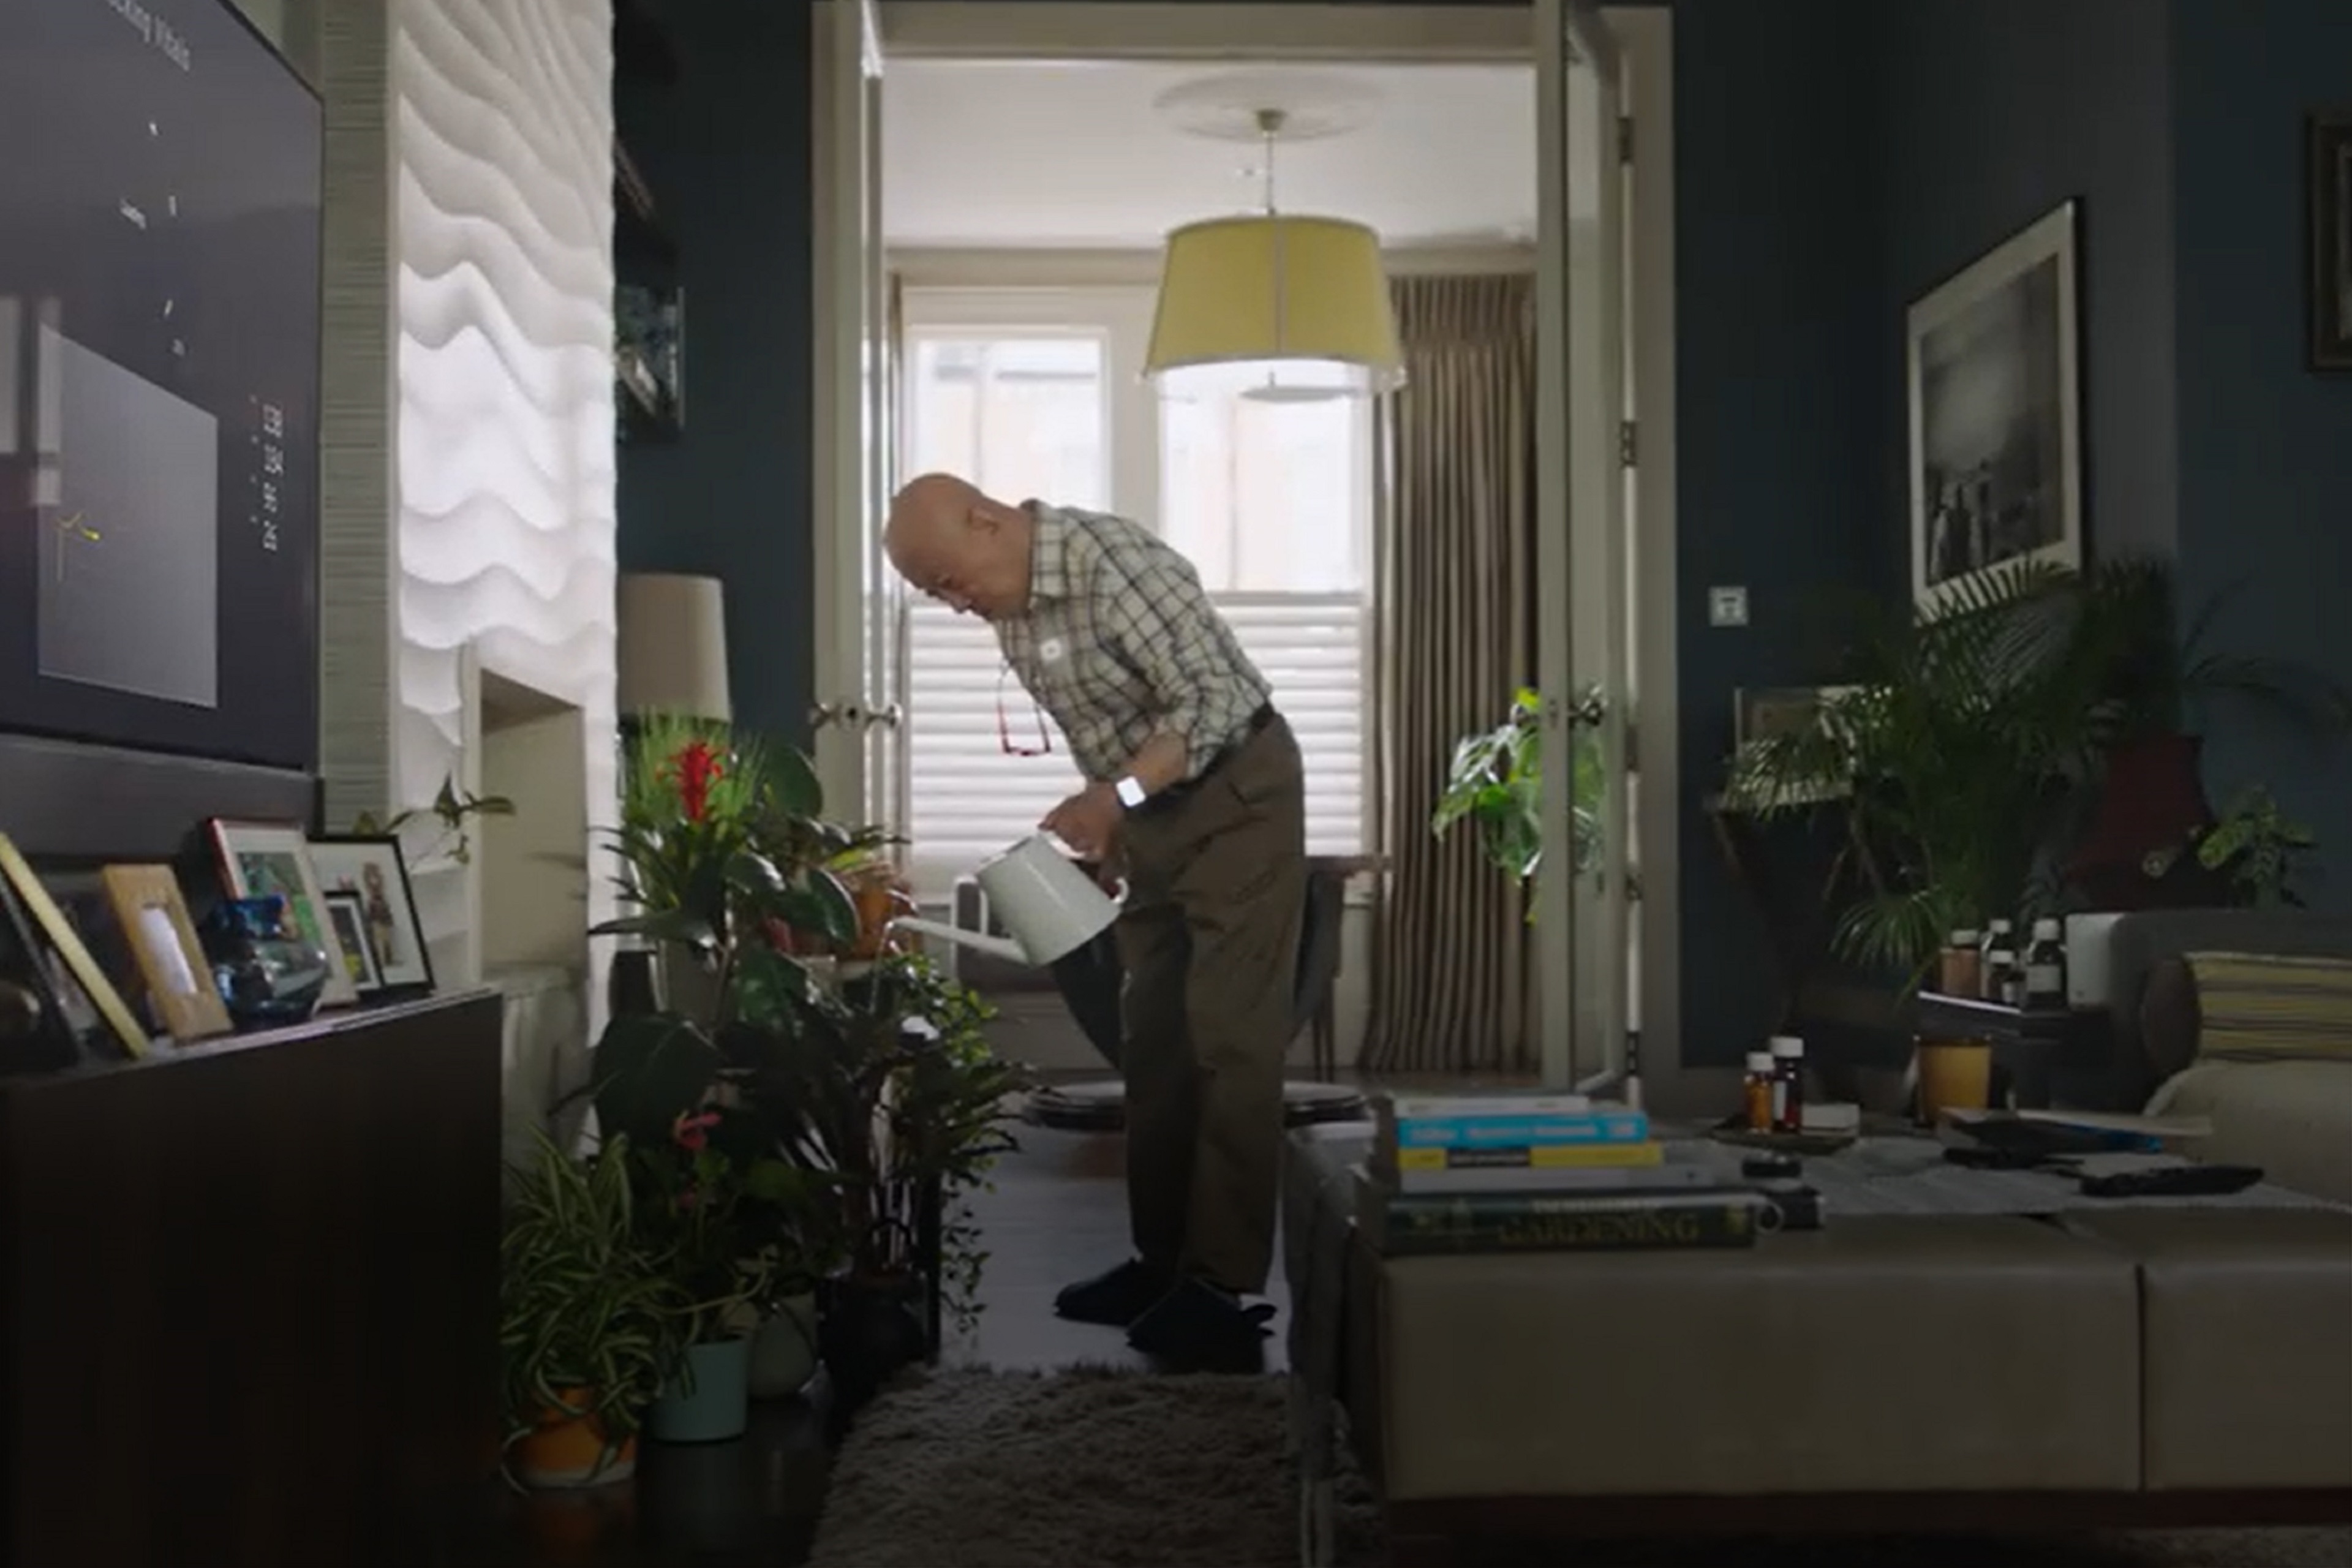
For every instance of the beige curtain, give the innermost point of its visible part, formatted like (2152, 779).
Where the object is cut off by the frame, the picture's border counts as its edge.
(1457, 604)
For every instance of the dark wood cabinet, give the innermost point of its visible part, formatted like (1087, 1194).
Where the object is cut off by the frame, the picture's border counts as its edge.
(248, 1294)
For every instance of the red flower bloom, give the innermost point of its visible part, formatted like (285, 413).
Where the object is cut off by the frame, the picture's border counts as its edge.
(692, 1134)
(694, 769)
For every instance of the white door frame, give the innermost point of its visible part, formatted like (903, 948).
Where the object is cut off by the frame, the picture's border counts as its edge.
(1261, 29)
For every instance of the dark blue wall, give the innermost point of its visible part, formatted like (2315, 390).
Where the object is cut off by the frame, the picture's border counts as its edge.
(726, 151)
(1777, 417)
(1991, 113)
(2265, 445)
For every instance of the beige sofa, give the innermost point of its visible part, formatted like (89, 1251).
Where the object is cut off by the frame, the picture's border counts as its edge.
(2244, 1017)
(1898, 1373)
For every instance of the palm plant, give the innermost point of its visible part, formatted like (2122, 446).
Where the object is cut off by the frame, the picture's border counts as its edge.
(2159, 673)
(1965, 736)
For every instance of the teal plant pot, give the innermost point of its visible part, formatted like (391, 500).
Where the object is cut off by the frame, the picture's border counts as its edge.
(712, 1402)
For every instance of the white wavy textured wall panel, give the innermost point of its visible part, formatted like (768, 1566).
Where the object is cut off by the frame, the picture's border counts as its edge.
(500, 175)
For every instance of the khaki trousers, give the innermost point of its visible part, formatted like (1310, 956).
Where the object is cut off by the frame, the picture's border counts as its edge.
(1216, 880)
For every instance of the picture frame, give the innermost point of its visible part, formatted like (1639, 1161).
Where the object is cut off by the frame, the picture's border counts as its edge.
(2328, 212)
(256, 859)
(1759, 713)
(347, 913)
(372, 867)
(1993, 376)
(152, 916)
(53, 930)
(29, 978)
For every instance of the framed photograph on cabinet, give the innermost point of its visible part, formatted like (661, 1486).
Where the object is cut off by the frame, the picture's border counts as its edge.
(73, 959)
(40, 1029)
(348, 915)
(1996, 414)
(265, 860)
(153, 920)
(371, 868)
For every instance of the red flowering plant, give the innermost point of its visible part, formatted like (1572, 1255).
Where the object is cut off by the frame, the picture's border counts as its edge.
(703, 813)
(722, 850)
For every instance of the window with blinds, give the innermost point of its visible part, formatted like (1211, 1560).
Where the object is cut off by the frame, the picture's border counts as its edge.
(974, 783)
(1033, 394)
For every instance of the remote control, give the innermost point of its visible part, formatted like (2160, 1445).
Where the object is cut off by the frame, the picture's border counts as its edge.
(1976, 1157)
(2174, 1182)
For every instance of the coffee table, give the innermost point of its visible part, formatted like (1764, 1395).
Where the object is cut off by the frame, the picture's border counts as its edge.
(1910, 1369)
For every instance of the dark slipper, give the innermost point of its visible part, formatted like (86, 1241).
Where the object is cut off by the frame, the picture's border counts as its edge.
(1196, 1327)
(1115, 1297)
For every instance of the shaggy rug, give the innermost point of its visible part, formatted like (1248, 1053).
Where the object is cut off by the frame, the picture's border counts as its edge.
(1113, 1469)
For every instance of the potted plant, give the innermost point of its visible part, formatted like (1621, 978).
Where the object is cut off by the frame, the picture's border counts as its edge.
(1495, 781)
(703, 814)
(587, 1315)
(2159, 679)
(888, 1085)
(2257, 849)
(1965, 733)
(705, 1208)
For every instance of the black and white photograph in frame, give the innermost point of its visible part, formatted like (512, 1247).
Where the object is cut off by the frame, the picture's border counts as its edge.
(372, 869)
(1996, 414)
(2328, 207)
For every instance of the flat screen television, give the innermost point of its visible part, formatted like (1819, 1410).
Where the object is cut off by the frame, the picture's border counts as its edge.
(160, 325)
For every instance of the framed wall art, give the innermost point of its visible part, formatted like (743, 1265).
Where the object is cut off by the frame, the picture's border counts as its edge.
(153, 918)
(1994, 380)
(261, 860)
(2327, 206)
(74, 963)
(371, 869)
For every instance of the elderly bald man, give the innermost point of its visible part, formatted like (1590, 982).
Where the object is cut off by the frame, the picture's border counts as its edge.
(1193, 792)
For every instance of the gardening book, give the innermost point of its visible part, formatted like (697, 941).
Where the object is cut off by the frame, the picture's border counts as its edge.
(1405, 1225)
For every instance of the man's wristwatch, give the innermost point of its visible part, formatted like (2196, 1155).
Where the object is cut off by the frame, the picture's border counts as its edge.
(1130, 792)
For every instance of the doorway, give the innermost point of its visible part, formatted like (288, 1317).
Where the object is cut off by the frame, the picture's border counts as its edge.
(890, 325)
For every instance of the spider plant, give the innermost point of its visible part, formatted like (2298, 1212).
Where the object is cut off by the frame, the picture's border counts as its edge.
(587, 1309)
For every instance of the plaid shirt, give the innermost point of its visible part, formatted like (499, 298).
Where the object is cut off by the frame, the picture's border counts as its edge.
(1120, 643)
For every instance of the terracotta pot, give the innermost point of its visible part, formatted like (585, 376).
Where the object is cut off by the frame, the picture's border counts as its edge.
(880, 897)
(568, 1447)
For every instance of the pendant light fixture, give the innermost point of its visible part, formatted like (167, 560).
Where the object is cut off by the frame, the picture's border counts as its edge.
(1305, 300)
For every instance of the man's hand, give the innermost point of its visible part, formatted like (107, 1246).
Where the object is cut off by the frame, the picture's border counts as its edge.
(1088, 822)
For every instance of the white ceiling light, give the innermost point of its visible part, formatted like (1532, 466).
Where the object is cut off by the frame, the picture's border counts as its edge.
(1301, 303)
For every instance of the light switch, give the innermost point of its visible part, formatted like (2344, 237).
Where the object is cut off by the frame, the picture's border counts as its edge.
(1727, 607)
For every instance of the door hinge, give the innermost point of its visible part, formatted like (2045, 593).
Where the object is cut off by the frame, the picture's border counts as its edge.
(1628, 753)
(1625, 137)
(1626, 444)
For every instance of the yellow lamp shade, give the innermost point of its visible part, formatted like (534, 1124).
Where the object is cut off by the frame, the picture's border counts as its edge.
(1275, 288)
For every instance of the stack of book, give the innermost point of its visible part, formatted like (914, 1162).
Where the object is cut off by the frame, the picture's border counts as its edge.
(1544, 1172)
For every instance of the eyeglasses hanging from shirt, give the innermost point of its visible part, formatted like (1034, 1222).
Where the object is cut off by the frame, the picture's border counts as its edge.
(1044, 745)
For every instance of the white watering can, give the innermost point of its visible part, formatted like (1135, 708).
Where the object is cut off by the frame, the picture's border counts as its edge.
(1040, 895)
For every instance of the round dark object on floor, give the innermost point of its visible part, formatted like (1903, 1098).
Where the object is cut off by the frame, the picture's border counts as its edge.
(1099, 1105)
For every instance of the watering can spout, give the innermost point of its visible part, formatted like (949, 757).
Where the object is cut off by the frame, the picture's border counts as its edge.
(979, 942)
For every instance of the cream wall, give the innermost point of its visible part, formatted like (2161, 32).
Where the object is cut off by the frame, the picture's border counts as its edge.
(468, 535)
